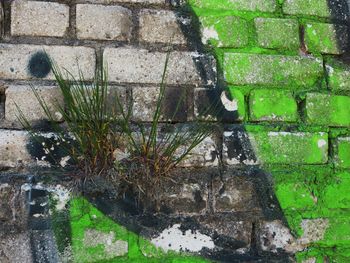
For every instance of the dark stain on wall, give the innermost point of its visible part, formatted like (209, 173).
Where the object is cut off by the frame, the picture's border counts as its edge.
(39, 65)
(2, 103)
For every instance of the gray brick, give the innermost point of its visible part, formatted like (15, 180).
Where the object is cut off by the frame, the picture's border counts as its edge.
(15, 60)
(36, 18)
(160, 26)
(24, 98)
(13, 148)
(142, 66)
(321, 8)
(156, 2)
(103, 22)
(244, 69)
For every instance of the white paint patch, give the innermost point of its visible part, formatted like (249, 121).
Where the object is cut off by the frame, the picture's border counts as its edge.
(209, 33)
(174, 239)
(230, 105)
(321, 143)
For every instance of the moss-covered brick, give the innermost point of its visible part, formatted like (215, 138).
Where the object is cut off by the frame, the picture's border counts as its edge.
(336, 195)
(329, 110)
(321, 8)
(228, 31)
(290, 148)
(326, 38)
(338, 75)
(272, 105)
(277, 33)
(245, 69)
(236, 104)
(342, 152)
(243, 5)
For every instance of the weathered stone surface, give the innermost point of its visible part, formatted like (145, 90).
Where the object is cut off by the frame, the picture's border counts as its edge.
(243, 5)
(13, 151)
(342, 152)
(21, 61)
(37, 18)
(15, 248)
(141, 66)
(103, 22)
(275, 147)
(227, 31)
(26, 101)
(336, 194)
(326, 38)
(234, 194)
(313, 230)
(322, 8)
(277, 33)
(325, 109)
(158, 2)
(245, 69)
(338, 75)
(272, 105)
(160, 26)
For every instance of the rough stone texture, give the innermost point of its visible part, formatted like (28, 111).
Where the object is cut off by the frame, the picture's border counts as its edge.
(227, 31)
(326, 38)
(158, 2)
(338, 75)
(243, 5)
(15, 61)
(103, 22)
(325, 109)
(272, 105)
(36, 18)
(160, 26)
(277, 33)
(245, 69)
(174, 104)
(342, 152)
(15, 248)
(274, 147)
(234, 194)
(13, 151)
(26, 101)
(322, 8)
(141, 66)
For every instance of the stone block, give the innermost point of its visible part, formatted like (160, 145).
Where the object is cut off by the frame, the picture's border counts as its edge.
(342, 152)
(326, 38)
(160, 26)
(24, 98)
(38, 18)
(227, 31)
(277, 33)
(246, 69)
(272, 105)
(252, 147)
(242, 5)
(132, 65)
(328, 110)
(336, 193)
(338, 75)
(30, 61)
(147, 2)
(15, 248)
(103, 22)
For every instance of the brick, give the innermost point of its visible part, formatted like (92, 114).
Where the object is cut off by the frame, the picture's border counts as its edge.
(245, 69)
(242, 147)
(174, 104)
(103, 22)
(322, 8)
(13, 148)
(329, 110)
(160, 26)
(227, 31)
(338, 74)
(29, 61)
(132, 65)
(336, 192)
(326, 38)
(36, 18)
(243, 5)
(234, 194)
(342, 152)
(272, 105)
(157, 2)
(24, 98)
(277, 33)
